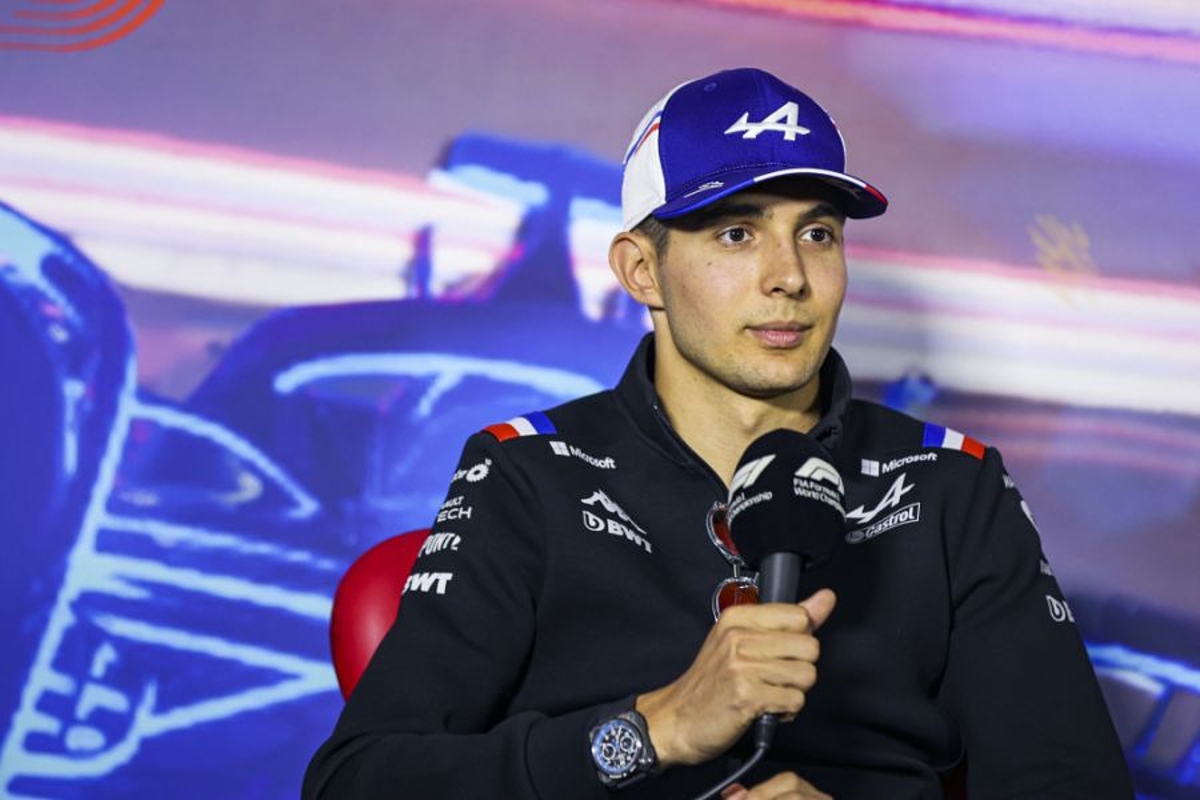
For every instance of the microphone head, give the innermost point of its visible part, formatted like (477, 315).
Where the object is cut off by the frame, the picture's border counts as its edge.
(786, 497)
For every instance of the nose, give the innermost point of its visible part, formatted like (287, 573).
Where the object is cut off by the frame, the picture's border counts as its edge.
(783, 270)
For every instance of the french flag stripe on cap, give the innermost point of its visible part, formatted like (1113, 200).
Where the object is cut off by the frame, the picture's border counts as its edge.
(527, 425)
(937, 436)
(641, 140)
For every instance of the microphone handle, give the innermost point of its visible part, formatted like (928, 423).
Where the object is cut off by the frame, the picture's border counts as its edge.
(778, 582)
(779, 578)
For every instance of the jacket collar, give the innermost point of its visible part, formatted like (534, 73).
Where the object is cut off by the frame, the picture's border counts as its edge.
(637, 393)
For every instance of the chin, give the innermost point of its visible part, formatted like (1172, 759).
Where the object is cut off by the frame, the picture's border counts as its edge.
(767, 389)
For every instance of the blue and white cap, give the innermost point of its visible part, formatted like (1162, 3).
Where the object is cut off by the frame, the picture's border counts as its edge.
(717, 135)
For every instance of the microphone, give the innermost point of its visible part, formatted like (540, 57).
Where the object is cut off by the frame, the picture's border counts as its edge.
(785, 515)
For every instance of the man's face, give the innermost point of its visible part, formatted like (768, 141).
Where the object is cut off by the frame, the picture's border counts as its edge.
(749, 291)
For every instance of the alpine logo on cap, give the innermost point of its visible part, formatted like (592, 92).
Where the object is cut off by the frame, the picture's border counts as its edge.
(785, 120)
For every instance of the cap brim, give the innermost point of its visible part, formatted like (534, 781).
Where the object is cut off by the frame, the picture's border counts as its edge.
(859, 199)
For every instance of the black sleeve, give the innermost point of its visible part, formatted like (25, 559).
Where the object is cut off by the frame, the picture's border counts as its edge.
(1018, 678)
(429, 717)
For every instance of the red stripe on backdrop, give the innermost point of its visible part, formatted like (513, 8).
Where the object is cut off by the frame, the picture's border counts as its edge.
(33, 38)
(79, 13)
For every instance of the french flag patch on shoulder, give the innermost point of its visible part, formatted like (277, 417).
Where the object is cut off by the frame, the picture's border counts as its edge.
(950, 439)
(527, 425)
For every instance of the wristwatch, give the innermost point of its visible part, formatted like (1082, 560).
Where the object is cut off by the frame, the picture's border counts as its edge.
(621, 749)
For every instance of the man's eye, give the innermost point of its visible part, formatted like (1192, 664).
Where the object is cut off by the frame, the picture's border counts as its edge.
(734, 235)
(819, 235)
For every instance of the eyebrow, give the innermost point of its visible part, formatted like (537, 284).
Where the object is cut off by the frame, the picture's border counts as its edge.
(722, 210)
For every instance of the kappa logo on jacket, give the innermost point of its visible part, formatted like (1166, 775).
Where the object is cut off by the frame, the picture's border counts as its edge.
(623, 525)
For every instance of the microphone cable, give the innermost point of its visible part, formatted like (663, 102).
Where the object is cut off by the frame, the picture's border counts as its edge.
(760, 750)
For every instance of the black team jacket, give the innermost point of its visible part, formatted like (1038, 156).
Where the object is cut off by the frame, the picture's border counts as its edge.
(570, 570)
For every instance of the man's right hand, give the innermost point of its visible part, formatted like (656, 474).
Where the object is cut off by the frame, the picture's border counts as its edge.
(757, 659)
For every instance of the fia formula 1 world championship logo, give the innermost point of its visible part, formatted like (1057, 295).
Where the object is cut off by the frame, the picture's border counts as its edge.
(70, 25)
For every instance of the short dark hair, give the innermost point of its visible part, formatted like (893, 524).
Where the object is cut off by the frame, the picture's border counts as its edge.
(656, 232)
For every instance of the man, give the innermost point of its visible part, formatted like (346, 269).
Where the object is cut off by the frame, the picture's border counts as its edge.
(567, 647)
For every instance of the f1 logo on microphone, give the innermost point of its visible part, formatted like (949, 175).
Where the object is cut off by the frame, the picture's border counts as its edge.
(818, 480)
(748, 473)
(821, 471)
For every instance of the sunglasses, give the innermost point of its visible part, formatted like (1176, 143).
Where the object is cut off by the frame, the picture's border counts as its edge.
(742, 587)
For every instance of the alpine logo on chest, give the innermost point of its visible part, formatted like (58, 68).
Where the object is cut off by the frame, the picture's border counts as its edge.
(887, 514)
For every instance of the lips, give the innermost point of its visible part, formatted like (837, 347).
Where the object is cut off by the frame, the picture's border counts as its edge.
(780, 334)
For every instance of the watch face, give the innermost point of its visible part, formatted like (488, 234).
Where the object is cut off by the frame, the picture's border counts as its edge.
(616, 747)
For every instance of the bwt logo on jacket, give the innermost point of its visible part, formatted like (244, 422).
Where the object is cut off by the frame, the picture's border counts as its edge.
(426, 582)
(622, 526)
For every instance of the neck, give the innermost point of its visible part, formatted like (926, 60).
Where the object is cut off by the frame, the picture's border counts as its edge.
(719, 424)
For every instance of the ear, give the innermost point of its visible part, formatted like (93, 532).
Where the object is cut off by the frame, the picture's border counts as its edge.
(634, 262)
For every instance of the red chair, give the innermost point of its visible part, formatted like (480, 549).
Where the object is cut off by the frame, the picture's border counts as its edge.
(366, 602)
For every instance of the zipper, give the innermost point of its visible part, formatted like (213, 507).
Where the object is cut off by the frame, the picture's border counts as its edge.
(687, 450)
